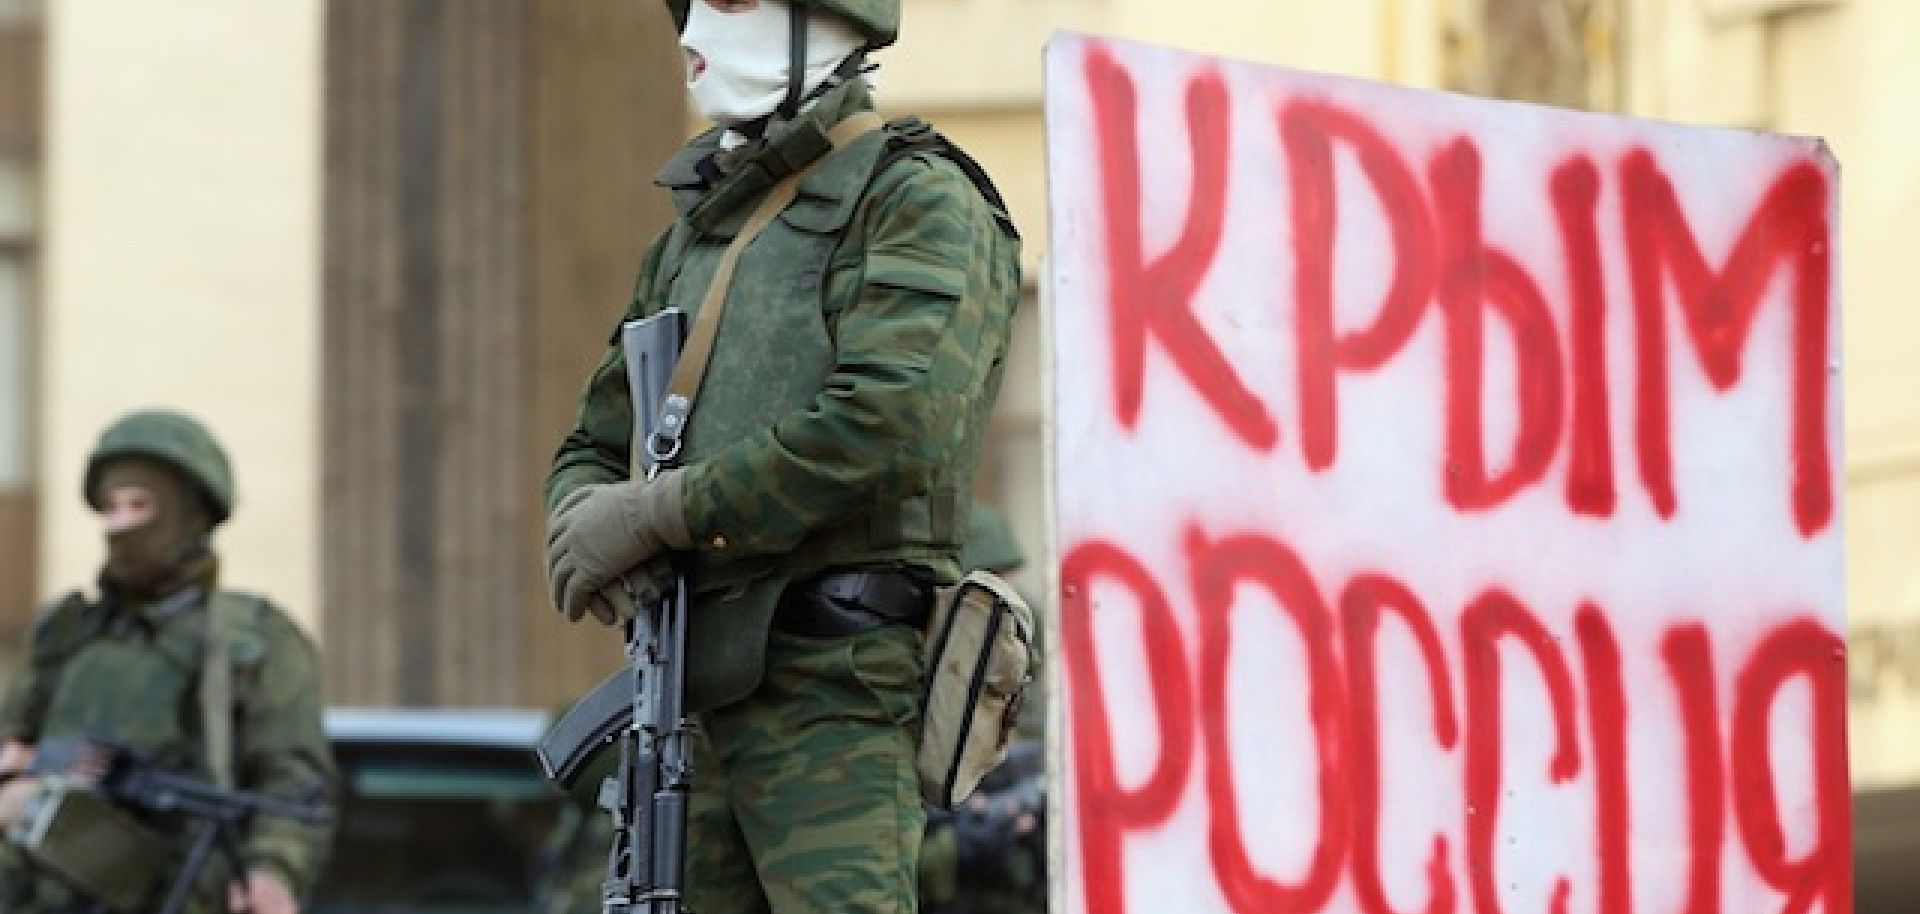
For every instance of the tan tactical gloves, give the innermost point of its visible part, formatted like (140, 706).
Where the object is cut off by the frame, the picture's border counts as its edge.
(600, 532)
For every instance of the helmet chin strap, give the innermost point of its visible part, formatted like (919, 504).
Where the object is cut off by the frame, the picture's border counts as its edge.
(796, 60)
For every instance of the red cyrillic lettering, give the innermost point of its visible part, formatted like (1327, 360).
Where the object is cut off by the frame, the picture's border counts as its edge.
(1157, 297)
(1474, 275)
(1688, 652)
(1105, 808)
(1826, 872)
(1576, 198)
(1309, 130)
(1217, 568)
(1789, 227)
(1607, 718)
(1493, 616)
(1360, 608)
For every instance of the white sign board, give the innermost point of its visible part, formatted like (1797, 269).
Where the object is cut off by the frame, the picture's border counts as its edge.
(1446, 501)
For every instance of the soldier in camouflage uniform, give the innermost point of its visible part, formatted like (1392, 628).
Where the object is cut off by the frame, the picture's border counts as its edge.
(826, 475)
(128, 668)
(1001, 869)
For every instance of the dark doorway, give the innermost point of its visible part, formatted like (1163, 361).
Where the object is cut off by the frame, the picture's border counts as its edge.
(488, 192)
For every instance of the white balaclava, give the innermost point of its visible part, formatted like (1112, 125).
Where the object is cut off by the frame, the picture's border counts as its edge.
(737, 62)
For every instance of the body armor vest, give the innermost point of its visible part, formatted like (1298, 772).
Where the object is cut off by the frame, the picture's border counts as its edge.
(774, 355)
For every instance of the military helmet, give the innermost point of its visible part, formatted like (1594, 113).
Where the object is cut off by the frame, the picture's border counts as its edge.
(879, 20)
(174, 440)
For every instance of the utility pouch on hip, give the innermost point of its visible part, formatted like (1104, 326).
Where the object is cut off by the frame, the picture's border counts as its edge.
(979, 664)
(78, 836)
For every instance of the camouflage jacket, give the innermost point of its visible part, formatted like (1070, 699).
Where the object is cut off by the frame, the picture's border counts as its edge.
(860, 353)
(133, 678)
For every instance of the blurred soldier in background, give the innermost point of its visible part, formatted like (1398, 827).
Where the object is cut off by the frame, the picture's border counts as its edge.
(208, 683)
(990, 855)
(824, 484)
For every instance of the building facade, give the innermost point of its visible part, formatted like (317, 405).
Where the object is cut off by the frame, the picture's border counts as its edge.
(376, 242)
(1839, 69)
(21, 54)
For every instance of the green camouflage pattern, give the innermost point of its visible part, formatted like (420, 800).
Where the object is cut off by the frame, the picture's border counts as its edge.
(806, 787)
(990, 542)
(575, 870)
(879, 20)
(174, 439)
(806, 800)
(858, 358)
(97, 672)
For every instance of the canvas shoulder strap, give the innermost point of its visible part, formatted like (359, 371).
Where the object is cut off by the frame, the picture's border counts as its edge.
(227, 614)
(216, 693)
(683, 386)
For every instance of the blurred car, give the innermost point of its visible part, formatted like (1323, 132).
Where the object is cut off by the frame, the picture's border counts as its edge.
(442, 812)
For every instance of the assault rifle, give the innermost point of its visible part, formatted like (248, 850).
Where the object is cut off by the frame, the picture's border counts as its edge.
(120, 857)
(640, 706)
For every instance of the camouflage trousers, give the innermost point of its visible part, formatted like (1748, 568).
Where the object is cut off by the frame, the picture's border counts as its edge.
(805, 797)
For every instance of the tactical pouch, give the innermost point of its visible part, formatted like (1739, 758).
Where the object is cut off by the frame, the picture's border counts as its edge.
(979, 664)
(80, 837)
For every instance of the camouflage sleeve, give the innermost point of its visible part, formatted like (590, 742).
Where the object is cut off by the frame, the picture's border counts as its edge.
(900, 380)
(598, 448)
(25, 702)
(20, 709)
(283, 751)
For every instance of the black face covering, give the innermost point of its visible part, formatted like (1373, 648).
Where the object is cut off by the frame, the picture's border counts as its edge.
(167, 553)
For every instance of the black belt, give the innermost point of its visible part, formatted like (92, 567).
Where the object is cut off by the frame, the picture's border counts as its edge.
(840, 603)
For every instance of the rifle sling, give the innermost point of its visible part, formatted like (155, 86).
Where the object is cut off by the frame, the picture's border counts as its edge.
(684, 384)
(216, 693)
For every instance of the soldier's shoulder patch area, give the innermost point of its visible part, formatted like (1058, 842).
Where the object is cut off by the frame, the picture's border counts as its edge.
(256, 625)
(829, 194)
(911, 130)
(247, 607)
(63, 626)
(245, 648)
(911, 139)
